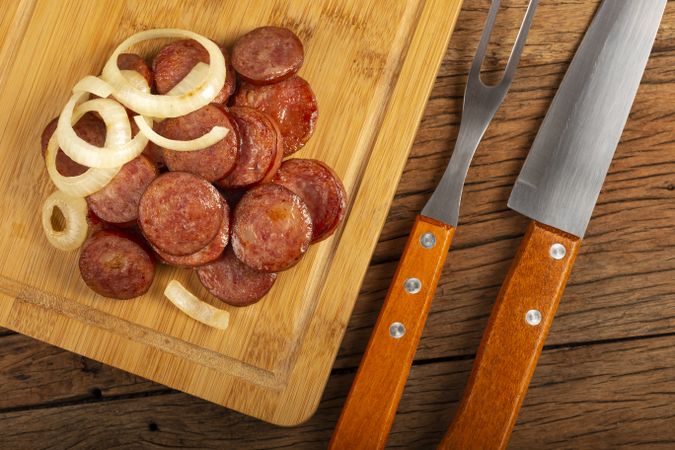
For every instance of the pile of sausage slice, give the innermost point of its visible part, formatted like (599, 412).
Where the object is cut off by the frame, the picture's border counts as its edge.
(236, 212)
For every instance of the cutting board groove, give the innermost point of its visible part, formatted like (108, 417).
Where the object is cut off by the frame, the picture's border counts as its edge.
(371, 64)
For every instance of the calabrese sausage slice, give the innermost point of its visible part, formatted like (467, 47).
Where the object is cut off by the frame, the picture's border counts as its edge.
(291, 102)
(271, 228)
(211, 163)
(234, 282)
(118, 201)
(260, 152)
(174, 61)
(320, 188)
(90, 128)
(267, 55)
(131, 61)
(114, 265)
(206, 255)
(180, 213)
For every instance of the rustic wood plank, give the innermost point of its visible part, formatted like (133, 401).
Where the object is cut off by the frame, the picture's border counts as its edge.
(34, 373)
(622, 283)
(603, 395)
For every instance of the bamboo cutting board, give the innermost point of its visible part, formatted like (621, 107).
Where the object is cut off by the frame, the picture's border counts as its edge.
(371, 65)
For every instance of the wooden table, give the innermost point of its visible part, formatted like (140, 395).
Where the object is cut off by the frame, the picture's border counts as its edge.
(606, 378)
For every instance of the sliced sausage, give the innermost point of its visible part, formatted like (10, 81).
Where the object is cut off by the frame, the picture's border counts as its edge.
(260, 152)
(118, 201)
(271, 228)
(320, 188)
(90, 128)
(291, 102)
(209, 253)
(180, 213)
(131, 61)
(112, 264)
(174, 61)
(211, 163)
(267, 55)
(234, 282)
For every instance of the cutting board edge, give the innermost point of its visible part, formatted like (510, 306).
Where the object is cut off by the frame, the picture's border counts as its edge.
(276, 388)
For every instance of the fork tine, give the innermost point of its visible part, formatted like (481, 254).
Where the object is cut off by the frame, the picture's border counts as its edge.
(517, 50)
(474, 72)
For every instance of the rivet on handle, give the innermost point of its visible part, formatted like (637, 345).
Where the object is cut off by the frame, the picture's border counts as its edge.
(428, 240)
(557, 251)
(396, 330)
(533, 317)
(412, 285)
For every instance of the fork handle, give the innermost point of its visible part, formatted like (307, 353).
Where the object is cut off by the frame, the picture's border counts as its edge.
(370, 408)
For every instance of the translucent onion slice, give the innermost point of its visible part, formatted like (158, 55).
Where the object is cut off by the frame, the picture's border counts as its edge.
(195, 308)
(214, 135)
(199, 72)
(93, 85)
(74, 210)
(119, 148)
(161, 106)
(92, 180)
(136, 79)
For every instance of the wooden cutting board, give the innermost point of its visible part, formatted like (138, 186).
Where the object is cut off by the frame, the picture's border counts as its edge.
(371, 64)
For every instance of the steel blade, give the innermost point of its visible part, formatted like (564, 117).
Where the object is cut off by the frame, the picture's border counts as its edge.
(567, 164)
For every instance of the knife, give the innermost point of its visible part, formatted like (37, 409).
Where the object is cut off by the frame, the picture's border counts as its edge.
(371, 405)
(557, 188)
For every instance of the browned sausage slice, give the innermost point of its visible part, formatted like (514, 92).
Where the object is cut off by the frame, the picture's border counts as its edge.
(206, 255)
(112, 264)
(118, 201)
(271, 228)
(320, 188)
(180, 213)
(131, 61)
(174, 61)
(291, 102)
(234, 282)
(211, 163)
(90, 128)
(260, 152)
(267, 55)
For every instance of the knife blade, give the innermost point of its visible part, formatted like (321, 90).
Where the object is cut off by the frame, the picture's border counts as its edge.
(558, 188)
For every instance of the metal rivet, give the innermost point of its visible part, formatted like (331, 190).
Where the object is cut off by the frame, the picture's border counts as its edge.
(428, 240)
(533, 317)
(412, 285)
(557, 251)
(396, 330)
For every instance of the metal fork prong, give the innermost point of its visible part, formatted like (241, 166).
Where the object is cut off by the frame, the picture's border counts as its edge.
(518, 46)
(474, 72)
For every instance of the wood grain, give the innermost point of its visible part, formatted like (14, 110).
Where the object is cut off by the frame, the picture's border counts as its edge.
(374, 51)
(604, 381)
(590, 396)
(371, 405)
(510, 348)
(622, 283)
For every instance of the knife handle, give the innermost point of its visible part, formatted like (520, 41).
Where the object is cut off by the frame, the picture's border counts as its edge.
(513, 339)
(371, 405)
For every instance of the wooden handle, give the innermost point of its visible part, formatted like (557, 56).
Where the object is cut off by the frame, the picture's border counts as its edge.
(371, 405)
(513, 339)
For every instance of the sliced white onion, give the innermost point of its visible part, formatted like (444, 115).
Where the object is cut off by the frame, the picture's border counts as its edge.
(216, 134)
(136, 79)
(93, 85)
(166, 105)
(93, 179)
(195, 308)
(191, 81)
(74, 210)
(118, 150)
